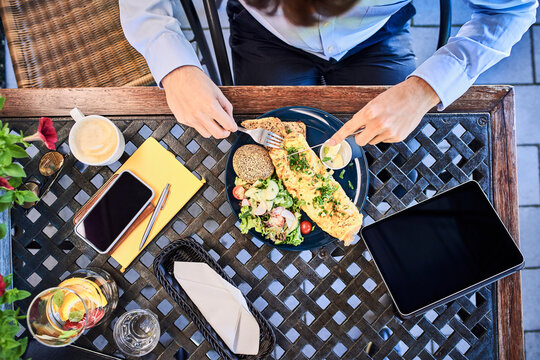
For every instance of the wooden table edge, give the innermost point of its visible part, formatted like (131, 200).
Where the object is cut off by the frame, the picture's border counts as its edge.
(505, 199)
(497, 100)
(253, 99)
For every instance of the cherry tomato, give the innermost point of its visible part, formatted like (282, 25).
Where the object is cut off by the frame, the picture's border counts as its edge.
(305, 227)
(238, 192)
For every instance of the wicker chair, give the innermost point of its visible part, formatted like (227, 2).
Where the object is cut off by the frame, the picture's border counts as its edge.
(70, 43)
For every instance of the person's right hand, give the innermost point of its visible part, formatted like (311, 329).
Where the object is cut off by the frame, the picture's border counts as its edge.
(197, 102)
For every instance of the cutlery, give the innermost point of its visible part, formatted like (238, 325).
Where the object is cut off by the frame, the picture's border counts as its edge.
(314, 146)
(264, 137)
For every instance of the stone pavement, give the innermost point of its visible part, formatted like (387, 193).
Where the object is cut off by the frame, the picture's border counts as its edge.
(521, 69)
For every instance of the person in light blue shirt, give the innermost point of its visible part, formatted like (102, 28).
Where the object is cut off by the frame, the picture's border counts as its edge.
(311, 42)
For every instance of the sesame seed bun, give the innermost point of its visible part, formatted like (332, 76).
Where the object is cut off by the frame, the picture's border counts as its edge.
(252, 162)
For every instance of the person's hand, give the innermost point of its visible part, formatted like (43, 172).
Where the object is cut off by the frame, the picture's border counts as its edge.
(392, 115)
(197, 102)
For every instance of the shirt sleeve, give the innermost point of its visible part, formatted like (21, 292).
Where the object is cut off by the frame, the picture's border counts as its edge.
(495, 26)
(153, 29)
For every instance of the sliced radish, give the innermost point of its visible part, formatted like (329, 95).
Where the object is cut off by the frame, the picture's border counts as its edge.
(277, 211)
(276, 221)
(245, 202)
(290, 218)
(259, 210)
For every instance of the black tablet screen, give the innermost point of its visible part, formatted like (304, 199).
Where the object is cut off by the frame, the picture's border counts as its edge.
(441, 246)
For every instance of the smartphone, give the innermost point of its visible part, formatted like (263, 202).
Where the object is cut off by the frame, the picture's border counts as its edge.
(114, 212)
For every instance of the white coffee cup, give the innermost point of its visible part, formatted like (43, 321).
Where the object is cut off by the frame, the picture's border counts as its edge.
(95, 140)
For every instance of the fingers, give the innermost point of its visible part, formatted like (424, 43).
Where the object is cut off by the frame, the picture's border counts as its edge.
(226, 104)
(378, 139)
(201, 130)
(223, 118)
(350, 126)
(216, 130)
(369, 133)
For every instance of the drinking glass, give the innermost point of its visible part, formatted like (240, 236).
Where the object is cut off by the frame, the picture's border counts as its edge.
(137, 332)
(59, 315)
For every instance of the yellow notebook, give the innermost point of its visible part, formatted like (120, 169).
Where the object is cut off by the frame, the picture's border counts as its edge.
(156, 167)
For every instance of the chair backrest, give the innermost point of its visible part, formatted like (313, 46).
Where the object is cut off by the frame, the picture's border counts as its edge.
(70, 43)
(221, 51)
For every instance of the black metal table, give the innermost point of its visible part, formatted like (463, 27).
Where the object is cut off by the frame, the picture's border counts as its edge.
(324, 304)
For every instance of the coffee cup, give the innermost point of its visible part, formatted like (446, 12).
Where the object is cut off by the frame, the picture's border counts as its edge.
(95, 140)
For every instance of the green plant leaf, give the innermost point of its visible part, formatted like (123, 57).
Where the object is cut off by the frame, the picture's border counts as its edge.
(29, 196)
(2, 102)
(19, 198)
(12, 295)
(15, 181)
(4, 206)
(14, 170)
(17, 151)
(5, 157)
(58, 298)
(8, 279)
(3, 230)
(7, 197)
(76, 316)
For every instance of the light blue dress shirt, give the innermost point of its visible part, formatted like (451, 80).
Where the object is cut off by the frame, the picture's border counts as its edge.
(153, 28)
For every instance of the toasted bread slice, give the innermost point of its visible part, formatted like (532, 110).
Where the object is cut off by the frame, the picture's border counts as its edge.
(295, 127)
(272, 124)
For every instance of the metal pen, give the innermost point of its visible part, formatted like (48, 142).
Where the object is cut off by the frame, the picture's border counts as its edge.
(159, 207)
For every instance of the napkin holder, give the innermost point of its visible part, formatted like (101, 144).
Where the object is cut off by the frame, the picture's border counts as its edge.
(84, 209)
(189, 250)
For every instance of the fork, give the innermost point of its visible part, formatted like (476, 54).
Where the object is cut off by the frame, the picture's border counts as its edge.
(314, 146)
(264, 137)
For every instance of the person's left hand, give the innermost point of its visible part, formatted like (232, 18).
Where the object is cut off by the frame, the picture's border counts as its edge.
(392, 115)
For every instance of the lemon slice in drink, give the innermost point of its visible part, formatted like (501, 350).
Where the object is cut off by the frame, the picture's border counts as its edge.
(86, 289)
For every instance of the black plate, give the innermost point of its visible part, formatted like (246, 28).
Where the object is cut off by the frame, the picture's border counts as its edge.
(320, 127)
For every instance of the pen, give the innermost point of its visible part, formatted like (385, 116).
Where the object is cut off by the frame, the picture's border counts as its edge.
(159, 206)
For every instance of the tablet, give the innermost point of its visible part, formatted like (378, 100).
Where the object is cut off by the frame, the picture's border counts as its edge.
(442, 248)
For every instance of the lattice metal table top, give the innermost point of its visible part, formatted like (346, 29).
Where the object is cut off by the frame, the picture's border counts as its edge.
(324, 304)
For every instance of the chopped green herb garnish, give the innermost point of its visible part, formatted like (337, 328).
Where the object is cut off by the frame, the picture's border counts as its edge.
(326, 158)
(297, 162)
(341, 174)
(351, 186)
(351, 164)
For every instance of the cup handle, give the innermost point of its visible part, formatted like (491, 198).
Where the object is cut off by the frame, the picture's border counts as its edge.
(76, 114)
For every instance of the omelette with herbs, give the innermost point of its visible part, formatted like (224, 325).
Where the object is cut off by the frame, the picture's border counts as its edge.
(321, 197)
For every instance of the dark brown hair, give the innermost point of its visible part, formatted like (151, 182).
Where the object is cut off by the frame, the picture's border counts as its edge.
(303, 12)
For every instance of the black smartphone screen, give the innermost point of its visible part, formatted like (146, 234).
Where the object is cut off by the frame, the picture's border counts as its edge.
(441, 246)
(114, 211)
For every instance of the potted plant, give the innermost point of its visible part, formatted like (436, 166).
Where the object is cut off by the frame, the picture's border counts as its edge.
(10, 348)
(12, 148)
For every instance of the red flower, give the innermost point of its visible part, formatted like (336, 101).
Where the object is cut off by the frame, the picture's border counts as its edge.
(2, 285)
(5, 184)
(46, 133)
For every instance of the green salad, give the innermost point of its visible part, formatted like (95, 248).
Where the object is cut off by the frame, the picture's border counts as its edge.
(269, 209)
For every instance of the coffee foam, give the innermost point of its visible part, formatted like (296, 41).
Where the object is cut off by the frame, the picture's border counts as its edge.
(94, 140)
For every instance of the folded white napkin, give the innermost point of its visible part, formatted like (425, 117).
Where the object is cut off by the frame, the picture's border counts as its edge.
(222, 304)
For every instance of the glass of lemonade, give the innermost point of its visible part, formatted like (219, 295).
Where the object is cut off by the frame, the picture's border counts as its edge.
(59, 315)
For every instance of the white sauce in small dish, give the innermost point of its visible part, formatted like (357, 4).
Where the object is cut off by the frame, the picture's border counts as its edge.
(336, 157)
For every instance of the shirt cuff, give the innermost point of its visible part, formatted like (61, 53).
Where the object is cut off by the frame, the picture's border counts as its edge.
(168, 52)
(446, 76)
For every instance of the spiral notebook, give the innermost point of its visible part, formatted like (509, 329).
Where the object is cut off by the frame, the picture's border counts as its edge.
(156, 167)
